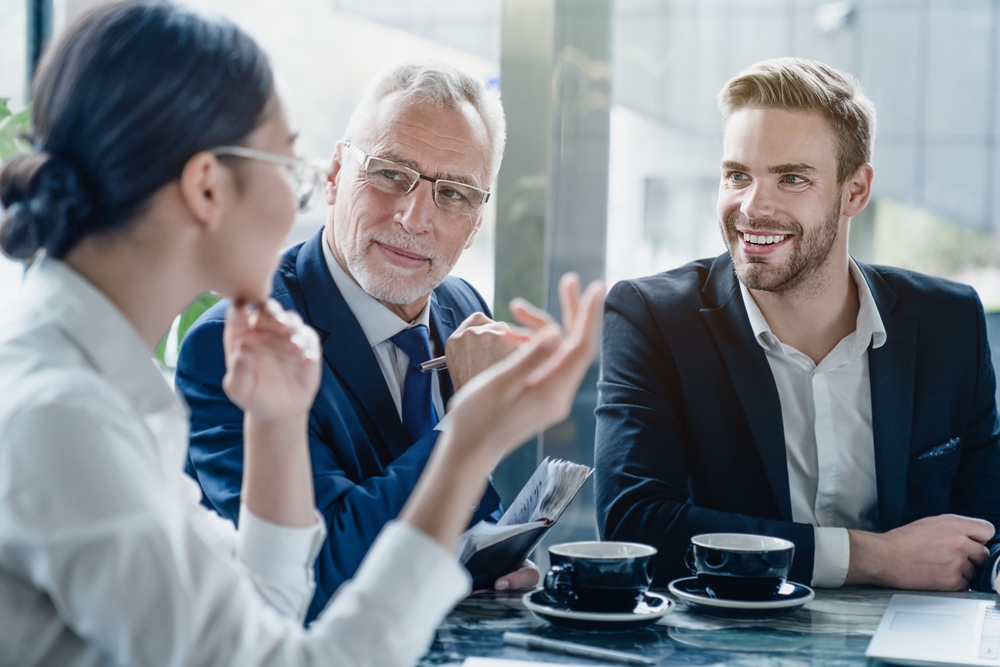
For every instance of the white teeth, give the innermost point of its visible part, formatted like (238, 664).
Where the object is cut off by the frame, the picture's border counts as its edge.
(763, 240)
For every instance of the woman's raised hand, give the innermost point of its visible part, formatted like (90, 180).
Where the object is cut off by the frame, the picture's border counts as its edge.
(534, 387)
(503, 406)
(272, 374)
(272, 361)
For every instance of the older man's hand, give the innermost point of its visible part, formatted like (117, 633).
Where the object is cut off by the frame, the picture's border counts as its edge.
(524, 578)
(477, 344)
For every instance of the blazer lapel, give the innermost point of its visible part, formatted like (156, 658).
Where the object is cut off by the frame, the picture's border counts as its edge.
(891, 371)
(750, 373)
(346, 348)
(443, 325)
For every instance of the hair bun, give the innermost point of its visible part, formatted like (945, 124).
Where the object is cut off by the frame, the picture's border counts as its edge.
(44, 203)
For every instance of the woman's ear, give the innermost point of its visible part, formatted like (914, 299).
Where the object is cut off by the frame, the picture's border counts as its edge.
(204, 184)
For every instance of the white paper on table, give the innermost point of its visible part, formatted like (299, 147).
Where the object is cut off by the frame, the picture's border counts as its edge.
(498, 662)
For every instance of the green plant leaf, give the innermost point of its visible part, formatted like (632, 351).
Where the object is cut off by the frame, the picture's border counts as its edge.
(15, 130)
(181, 325)
(193, 312)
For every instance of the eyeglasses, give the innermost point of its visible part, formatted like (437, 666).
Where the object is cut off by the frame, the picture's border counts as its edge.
(307, 175)
(396, 179)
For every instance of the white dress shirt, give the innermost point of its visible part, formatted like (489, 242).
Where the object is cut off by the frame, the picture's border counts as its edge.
(380, 324)
(106, 556)
(826, 412)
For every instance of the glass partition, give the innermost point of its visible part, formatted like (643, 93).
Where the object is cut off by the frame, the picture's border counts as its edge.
(13, 55)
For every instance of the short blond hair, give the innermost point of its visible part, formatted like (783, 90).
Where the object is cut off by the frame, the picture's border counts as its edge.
(797, 84)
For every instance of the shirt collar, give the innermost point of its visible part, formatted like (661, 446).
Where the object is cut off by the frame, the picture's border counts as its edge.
(869, 326)
(55, 294)
(378, 322)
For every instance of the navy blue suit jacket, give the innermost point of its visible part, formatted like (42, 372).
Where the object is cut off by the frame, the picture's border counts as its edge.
(689, 431)
(364, 464)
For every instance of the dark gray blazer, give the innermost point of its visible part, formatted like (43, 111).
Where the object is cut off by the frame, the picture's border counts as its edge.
(689, 431)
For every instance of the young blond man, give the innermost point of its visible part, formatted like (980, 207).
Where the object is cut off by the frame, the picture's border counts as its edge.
(784, 388)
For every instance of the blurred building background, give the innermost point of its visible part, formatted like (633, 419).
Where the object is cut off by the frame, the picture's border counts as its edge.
(614, 136)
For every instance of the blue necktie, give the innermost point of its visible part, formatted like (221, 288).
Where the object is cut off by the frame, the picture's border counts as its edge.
(419, 415)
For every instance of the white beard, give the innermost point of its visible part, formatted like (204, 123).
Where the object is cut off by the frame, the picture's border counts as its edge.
(391, 284)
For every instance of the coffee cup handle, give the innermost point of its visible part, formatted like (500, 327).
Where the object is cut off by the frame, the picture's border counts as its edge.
(559, 582)
(689, 559)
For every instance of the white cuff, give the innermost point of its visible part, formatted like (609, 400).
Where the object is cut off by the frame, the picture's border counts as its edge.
(278, 552)
(444, 424)
(406, 565)
(832, 557)
(392, 608)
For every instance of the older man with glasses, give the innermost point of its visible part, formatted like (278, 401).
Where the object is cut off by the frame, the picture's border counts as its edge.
(406, 190)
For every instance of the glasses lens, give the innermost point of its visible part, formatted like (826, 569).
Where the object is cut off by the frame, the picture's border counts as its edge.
(390, 177)
(457, 197)
(305, 185)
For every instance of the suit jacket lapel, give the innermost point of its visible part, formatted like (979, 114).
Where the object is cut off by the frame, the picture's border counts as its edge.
(346, 348)
(443, 325)
(891, 370)
(746, 362)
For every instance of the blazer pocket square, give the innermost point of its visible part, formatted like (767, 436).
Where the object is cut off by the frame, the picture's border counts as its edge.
(940, 450)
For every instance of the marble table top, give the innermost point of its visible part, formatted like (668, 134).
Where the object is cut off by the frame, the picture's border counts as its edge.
(833, 629)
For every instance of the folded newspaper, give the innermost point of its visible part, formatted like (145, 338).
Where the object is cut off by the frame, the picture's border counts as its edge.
(491, 550)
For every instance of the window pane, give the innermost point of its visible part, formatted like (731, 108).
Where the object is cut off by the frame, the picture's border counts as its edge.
(13, 54)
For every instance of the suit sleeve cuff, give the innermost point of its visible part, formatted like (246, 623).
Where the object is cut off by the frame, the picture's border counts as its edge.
(991, 584)
(278, 552)
(832, 557)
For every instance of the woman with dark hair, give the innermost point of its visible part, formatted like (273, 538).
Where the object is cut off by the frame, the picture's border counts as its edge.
(163, 169)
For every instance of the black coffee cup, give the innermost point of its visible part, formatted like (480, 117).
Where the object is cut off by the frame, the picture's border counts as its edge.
(599, 576)
(735, 566)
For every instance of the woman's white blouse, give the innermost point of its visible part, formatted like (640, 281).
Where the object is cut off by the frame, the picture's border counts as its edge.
(106, 555)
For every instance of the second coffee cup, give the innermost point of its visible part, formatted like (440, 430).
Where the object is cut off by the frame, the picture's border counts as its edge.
(599, 576)
(735, 566)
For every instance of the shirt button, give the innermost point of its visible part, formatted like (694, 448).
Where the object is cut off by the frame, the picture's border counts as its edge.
(475, 506)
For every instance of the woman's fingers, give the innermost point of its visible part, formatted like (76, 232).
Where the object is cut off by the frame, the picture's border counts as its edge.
(578, 349)
(237, 321)
(572, 355)
(569, 298)
(511, 372)
(518, 335)
(530, 315)
(589, 316)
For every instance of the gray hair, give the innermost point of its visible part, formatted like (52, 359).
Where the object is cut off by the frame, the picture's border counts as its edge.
(445, 85)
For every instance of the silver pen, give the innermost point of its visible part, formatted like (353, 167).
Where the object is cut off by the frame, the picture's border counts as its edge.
(434, 365)
(570, 648)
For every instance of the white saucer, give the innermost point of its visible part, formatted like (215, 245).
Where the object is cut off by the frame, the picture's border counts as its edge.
(653, 607)
(790, 597)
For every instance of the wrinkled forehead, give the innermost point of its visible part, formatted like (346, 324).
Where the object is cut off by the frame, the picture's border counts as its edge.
(437, 141)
